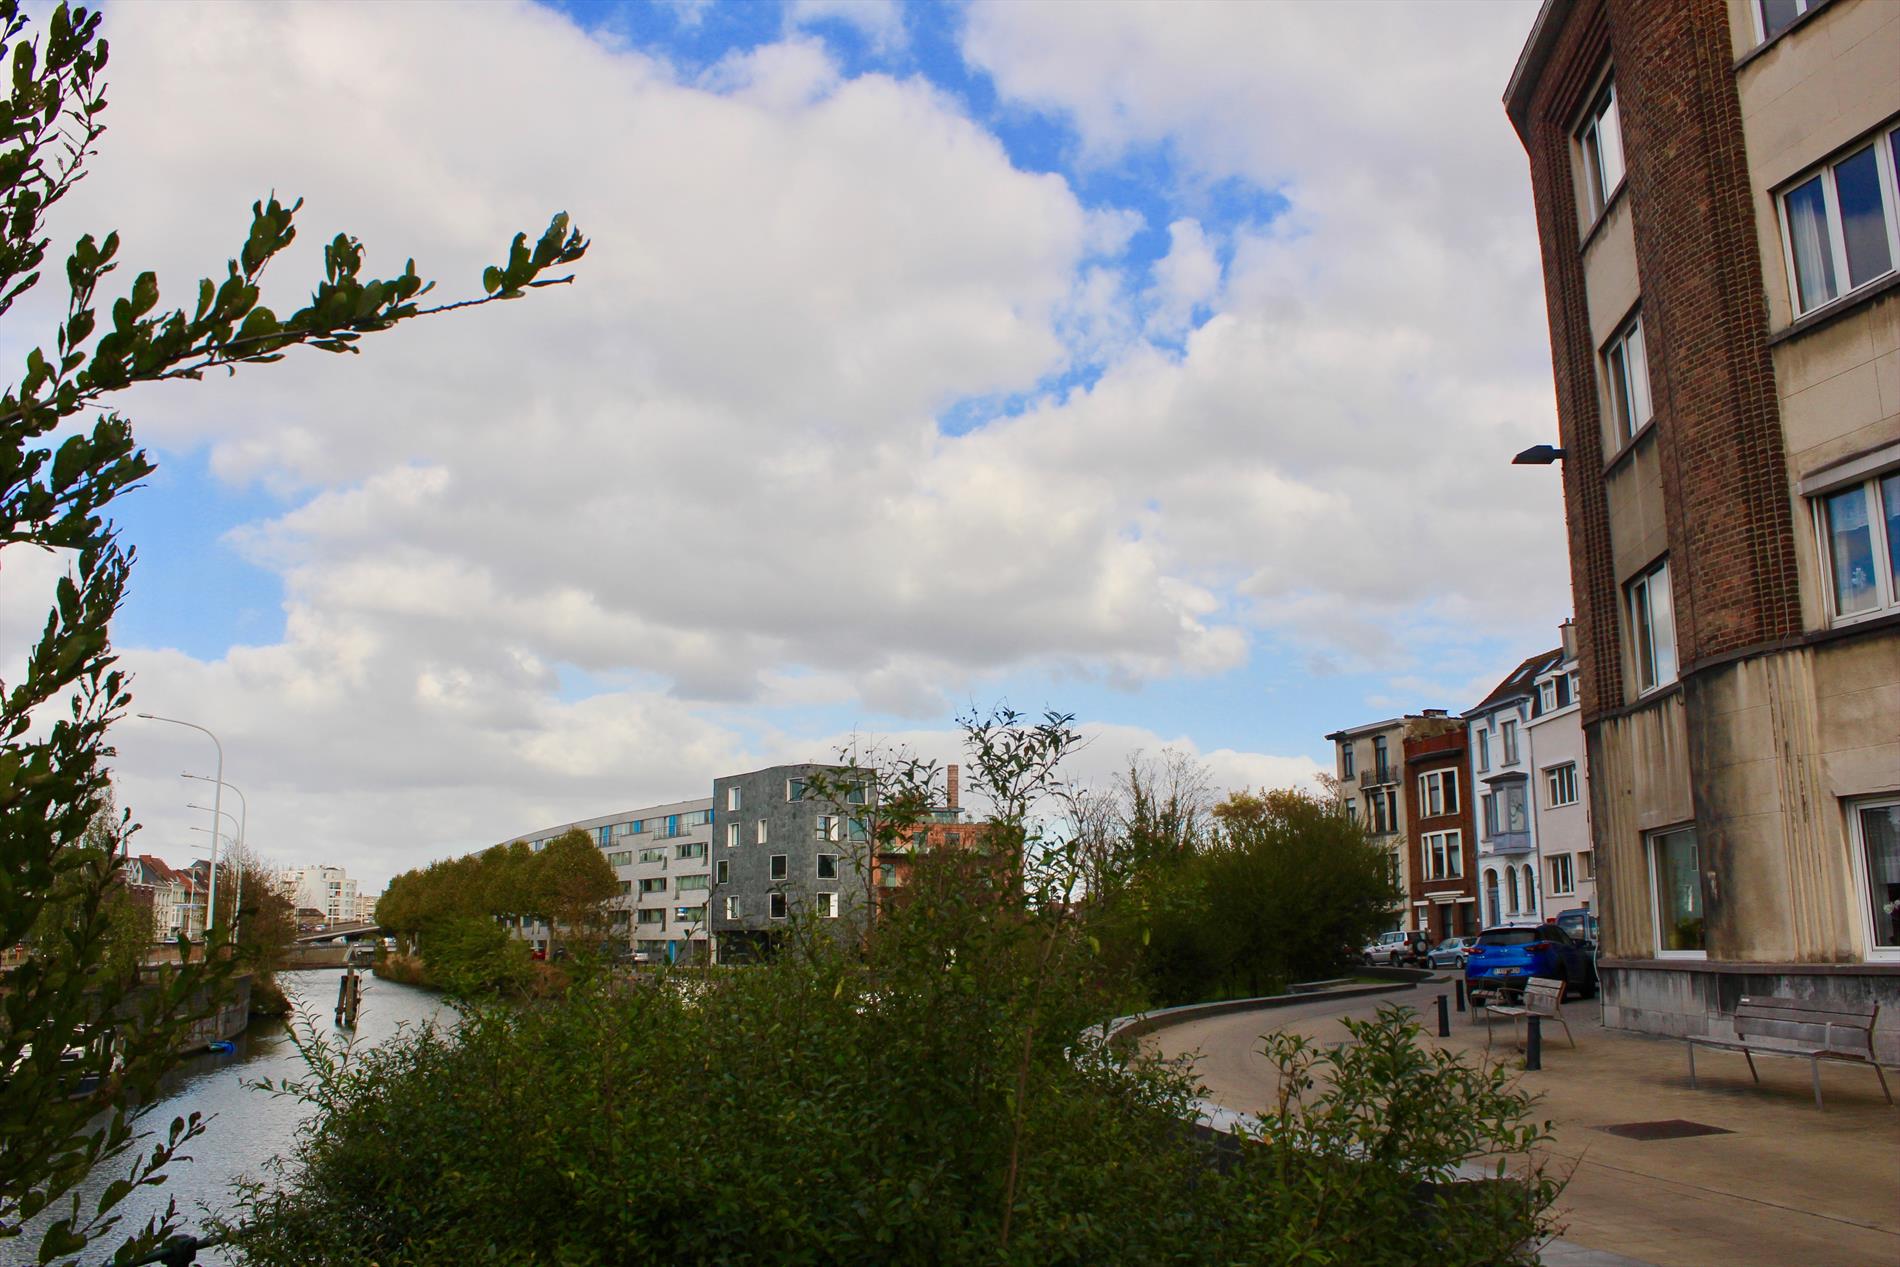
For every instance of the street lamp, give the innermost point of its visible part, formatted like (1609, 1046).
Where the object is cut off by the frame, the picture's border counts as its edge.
(226, 814)
(244, 817)
(217, 808)
(1538, 455)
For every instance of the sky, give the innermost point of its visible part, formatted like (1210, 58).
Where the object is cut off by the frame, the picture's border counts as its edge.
(1159, 363)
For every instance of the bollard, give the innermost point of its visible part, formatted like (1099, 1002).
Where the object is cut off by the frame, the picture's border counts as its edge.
(1460, 982)
(1444, 1017)
(1533, 1044)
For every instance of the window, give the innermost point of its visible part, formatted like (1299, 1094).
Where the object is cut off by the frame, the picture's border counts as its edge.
(1379, 756)
(1490, 814)
(691, 884)
(794, 789)
(827, 866)
(690, 914)
(1546, 697)
(887, 875)
(1876, 831)
(1442, 855)
(1493, 908)
(732, 798)
(1383, 811)
(1345, 760)
(761, 831)
(827, 827)
(827, 906)
(776, 907)
(1563, 878)
(605, 835)
(634, 828)
(1352, 809)
(672, 824)
(1483, 746)
(778, 866)
(1626, 377)
(691, 849)
(1675, 871)
(1575, 684)
(702, 818)
(1778, 15)
(1842, 224)
(656, 884)
(1601, 139)
(1860, 541)
(653, 855)
(722, 872)
(1560, 784)
(733, 908)
(1508, 732)
(1652, 616)
(856, 830)
(650, 917)
(732, 835)
(1587, 863)
(1438, 793)
(626, 887)
(622, 859)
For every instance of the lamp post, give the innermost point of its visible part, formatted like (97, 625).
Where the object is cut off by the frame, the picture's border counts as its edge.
(217, 808)
(1539, 455)
(226, 815)
(244, 818)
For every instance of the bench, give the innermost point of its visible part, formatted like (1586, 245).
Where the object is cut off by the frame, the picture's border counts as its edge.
(1795, 1027)
(1542, 997)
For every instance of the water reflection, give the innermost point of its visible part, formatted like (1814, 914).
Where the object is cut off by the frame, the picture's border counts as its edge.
(248, 1127)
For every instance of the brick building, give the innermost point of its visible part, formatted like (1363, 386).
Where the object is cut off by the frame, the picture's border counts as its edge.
(1441, 889)
(1719, 216)
(1371, 768)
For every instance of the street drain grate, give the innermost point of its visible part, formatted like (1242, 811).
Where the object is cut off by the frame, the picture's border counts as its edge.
(1672, 1128)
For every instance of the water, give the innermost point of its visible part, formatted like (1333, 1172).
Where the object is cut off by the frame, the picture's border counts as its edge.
(247, 1127)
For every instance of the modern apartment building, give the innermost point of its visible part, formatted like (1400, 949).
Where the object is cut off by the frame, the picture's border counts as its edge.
(1371, 768)
(1501, 764)
(1560, 791)
(326, 889)
(782, 851)
(1442, 892)
(1719, 216)
(660, 854)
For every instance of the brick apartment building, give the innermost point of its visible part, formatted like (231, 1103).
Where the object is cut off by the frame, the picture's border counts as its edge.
(1371, 768)
(1442, 888)
(1719, 217)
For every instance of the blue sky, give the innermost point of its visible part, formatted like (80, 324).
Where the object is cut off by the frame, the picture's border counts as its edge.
(1158, 363)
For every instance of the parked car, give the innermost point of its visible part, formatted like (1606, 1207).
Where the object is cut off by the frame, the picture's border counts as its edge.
(1505, 958)
(1581, 923)
(1395, 948)
(1451, 952)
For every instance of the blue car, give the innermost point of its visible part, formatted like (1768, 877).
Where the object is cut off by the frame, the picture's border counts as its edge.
(1505, 958)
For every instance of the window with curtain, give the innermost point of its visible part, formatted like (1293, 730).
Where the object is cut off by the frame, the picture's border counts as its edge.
(1842, 223)
(1878, 827)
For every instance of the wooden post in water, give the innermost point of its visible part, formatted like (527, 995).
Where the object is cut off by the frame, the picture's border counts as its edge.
(348, 989)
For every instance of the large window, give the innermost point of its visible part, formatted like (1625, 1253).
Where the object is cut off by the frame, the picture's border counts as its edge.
(1441, 853)
(1438, 793)
(1508, 732)
(1345, 760)
(1877, 839)
(1560, 784)
(1626, 375)
(1675, 871)
(1563, 876)
(1382, 809)
(1860, 538)
(1842, 224)
(1601, 139)
(1379, 763)
(1652, 616)
(691, 884)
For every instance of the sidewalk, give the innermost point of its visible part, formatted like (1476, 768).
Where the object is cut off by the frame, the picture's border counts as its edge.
(1786, 1183)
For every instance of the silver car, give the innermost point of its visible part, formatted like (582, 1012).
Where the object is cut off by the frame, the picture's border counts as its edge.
(1451, 952)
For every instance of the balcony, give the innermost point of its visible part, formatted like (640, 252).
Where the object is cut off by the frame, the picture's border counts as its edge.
(1507, 842)
(1378, 776)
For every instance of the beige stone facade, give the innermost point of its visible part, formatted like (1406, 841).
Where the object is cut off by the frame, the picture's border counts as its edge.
(1369, 761)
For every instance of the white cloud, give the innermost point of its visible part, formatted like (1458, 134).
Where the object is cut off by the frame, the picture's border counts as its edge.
(880, 21)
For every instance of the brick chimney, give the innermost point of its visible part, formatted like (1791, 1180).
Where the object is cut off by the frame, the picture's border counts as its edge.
(950, 787)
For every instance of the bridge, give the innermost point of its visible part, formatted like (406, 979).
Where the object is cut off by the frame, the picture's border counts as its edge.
(349, 932)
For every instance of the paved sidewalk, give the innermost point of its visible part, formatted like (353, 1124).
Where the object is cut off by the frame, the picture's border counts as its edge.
(1786, 1183)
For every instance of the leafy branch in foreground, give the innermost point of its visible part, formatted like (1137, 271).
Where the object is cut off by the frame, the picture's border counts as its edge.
(83, 1045)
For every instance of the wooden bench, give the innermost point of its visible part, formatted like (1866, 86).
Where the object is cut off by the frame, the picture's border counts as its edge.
(1543, 998)
(1795, 1027)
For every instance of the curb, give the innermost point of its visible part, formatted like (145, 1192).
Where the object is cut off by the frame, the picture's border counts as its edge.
(1139, 1023)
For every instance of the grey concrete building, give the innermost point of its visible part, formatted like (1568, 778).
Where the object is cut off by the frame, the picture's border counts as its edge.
(780, 854)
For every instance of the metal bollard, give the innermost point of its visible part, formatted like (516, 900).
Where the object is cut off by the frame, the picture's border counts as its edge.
(1460, 983)
(1533, 1043)
(1444, 1017)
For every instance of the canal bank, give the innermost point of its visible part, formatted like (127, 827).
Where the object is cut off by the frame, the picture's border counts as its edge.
(247, 1127)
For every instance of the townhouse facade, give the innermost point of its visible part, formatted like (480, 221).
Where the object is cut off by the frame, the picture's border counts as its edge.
(1559, 793)
(1441, 893)
(1717, 187)
(177, 900)
(1499, 729)
(1370, 766)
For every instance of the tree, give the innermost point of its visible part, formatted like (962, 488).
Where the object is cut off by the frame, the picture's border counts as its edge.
(57, 479)
(572, 884)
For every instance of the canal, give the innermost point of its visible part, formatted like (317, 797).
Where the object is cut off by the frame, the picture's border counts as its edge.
(247, 1127)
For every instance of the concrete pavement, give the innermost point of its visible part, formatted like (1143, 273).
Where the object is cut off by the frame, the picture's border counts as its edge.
(1785, 1182)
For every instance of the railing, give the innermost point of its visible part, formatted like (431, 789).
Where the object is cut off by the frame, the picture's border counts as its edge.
(1378, 775)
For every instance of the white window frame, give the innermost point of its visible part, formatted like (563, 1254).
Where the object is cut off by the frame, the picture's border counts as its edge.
(1445, 784)
(1650, 840)
(1883, 142)
(1352, 809)
(732, 799)
(1481, 742)
(778, 867)
(827, 905)
(761, 832)
(777, 907)
(1512, 750)
(722, 872)
(1632, 406)
(732, 835)
(1563, 875)
(1547, 696)
(733, 906)
(1446, 847)
(1651, 674)
(1887, 600)
(1589, 138)
(1863, 898)
(1551, 775)
(1802, 9)
(828, 827)
(819, 866)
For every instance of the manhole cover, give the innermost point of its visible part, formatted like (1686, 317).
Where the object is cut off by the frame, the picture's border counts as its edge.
(1673, 1128)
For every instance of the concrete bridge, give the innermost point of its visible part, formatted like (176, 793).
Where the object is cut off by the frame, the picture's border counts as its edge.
(349, 932)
